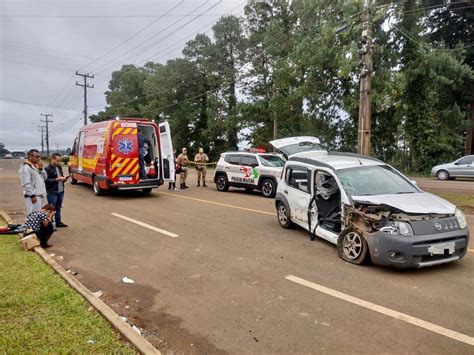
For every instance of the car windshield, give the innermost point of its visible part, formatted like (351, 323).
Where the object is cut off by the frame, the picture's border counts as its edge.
(272, 160)
(300, 147)
(374, 180)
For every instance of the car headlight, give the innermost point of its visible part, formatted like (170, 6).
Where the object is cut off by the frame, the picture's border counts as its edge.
(461, 217)
(396, 227)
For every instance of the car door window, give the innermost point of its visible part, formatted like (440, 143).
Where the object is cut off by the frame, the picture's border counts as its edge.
(297, 178)
(249, 161)
(466, 161)
(233, 159)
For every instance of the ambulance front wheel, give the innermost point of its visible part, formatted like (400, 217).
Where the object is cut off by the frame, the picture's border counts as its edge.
(97, 190)
(147, 190)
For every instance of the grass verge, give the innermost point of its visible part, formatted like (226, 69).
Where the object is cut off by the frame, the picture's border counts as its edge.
(40, 313)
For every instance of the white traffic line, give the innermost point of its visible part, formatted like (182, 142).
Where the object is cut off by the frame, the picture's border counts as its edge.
(153, 228)
(386, 311)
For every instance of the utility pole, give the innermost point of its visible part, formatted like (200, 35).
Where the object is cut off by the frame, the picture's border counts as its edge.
(47, 121)
(365, 99)
(85, 86)
(41, 129)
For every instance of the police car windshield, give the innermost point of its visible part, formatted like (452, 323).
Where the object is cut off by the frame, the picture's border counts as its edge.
(272, 161)
(374, 180)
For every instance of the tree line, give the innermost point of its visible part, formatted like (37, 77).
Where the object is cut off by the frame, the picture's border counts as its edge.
(283, 65)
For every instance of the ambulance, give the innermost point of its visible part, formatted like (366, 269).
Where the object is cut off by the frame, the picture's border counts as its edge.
(106, 155)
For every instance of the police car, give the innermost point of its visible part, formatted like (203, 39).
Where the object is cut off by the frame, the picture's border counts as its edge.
(252, 171)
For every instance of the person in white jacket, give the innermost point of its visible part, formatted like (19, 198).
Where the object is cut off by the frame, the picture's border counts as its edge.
(32, 178)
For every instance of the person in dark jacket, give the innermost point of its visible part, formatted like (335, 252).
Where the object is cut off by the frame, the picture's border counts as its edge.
(39, 222)
(55, 180)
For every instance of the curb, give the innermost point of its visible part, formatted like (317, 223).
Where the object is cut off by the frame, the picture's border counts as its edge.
(138, 341)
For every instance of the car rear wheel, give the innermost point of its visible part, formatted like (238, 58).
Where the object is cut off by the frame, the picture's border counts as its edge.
(442, 175)
(268, 188)
(352, 247)
(283, 215)
(222, 183)
(97, 190)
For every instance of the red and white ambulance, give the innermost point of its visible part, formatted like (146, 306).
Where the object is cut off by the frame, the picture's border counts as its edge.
(106, 155)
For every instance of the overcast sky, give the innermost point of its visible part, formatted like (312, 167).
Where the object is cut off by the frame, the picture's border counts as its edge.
(43, 43)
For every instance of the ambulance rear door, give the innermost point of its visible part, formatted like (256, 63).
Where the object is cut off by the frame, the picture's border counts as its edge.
(167, 153)
(124, 166)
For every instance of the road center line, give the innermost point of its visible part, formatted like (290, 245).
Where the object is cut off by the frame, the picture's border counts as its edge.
(153, 228)
(220, 204)
(386, 311)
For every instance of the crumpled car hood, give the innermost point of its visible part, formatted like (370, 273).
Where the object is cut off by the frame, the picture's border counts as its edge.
(416, 203)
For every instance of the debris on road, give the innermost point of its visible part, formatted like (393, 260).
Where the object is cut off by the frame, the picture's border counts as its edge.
(72, 272)
(138, 330)
(98, 294)
(126, 280)
(123, 318)
(90, 341)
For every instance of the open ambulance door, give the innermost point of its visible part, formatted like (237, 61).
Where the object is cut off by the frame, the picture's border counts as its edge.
(167, 152)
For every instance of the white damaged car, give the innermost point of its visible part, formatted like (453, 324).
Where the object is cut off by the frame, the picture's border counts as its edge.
(369, 210)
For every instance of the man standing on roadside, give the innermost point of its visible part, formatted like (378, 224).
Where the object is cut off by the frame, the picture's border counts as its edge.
(201, 159)
(32, 178)
(55, 186)
(183, 162)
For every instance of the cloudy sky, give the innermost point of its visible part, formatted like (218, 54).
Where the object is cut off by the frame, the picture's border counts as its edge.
(43, 43)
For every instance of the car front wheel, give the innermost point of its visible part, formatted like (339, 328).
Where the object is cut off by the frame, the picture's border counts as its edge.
(442, 175)
(352, 247)
(221, 183)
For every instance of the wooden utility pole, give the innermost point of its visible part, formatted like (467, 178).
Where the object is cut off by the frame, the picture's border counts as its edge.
(41, 129)
(47, 121)
(365, 99)
(85, 86)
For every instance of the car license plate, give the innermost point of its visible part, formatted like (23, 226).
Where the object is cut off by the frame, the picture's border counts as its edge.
(125, 178)
(438, 249)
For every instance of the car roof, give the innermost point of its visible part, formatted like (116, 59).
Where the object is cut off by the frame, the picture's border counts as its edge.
(251, 153)
(336, 160)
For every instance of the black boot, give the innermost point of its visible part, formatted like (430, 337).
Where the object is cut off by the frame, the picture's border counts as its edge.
(199, 184)
(204, 184)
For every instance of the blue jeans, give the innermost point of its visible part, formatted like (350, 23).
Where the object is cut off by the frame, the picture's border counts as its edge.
(56, 199)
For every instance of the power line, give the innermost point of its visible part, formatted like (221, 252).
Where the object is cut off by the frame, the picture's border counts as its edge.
(126, 55)
(32, 104)
(134, 35)
(98, 16)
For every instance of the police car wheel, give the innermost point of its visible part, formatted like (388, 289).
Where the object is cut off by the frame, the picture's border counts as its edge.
(268, 188)
(222, 183)
(97, 190)
(283, 216)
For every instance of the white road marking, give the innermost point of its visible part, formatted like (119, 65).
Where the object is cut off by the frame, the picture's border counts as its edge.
(386, 311)
(153, 228)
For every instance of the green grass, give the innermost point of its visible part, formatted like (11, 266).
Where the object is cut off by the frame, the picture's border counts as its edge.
(464, 202)
(40, 313)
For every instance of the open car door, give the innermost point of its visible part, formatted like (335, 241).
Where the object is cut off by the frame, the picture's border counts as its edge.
(294, 145)
(167, 153)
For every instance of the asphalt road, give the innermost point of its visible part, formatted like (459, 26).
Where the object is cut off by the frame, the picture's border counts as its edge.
(222, 284)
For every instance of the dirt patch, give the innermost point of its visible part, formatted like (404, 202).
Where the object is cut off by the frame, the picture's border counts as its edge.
(136, 302)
